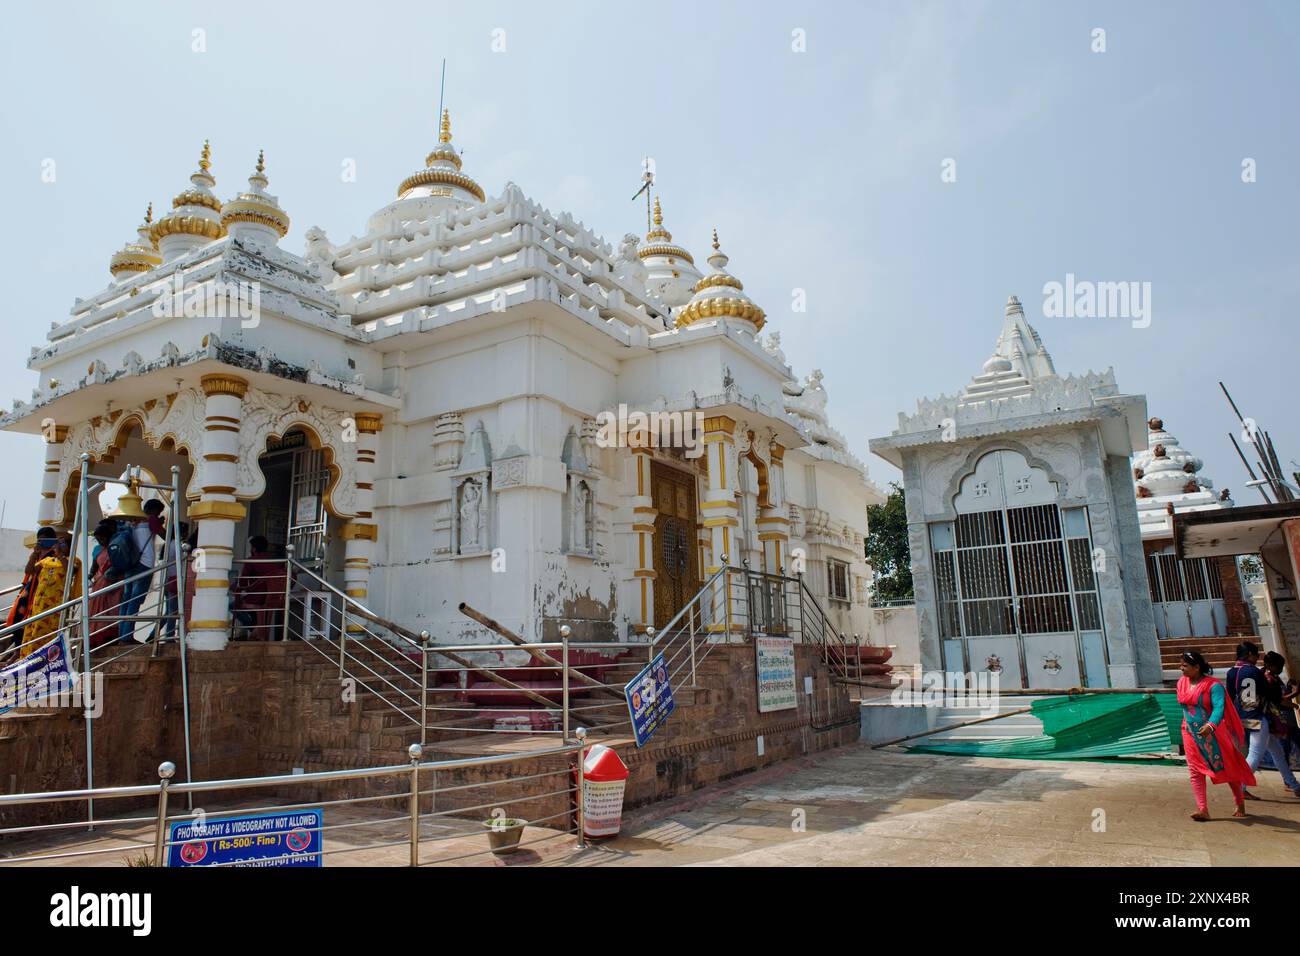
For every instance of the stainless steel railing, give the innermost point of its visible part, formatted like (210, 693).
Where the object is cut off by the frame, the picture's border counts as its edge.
(150, 833)
(539, 688)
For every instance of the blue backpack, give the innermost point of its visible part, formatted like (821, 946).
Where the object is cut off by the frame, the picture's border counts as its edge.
(123, 555)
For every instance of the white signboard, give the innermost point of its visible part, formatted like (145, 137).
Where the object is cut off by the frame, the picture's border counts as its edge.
(305, 512)
(774, 657)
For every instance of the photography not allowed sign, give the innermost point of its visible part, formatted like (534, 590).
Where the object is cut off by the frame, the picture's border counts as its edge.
(291, 838)
(649, 699)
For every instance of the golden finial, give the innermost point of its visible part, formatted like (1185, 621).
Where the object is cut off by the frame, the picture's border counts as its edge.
(716, 247)
(148, 214)
(445, 135)
(205, 158)
(659, 214)
(261, 162)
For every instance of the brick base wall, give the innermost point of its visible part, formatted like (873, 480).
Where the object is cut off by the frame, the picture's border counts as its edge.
(259, 709)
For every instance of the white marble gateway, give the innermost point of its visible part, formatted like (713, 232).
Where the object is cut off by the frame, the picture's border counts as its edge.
(418, 409)
(1026, 552)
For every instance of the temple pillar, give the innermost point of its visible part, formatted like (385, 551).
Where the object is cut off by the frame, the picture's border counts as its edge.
(217, 512)
(55, 436)
(1287, 643)
(643, 531)
(773, 519)
(361, 533)
(721, 515)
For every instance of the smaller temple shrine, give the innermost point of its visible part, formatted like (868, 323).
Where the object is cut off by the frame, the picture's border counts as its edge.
(1192, 597)
(1026, 554)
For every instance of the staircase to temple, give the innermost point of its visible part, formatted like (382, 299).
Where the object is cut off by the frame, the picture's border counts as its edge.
(1219, 652)
(510, 697)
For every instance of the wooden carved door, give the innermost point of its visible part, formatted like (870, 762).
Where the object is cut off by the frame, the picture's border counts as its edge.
(676, 551)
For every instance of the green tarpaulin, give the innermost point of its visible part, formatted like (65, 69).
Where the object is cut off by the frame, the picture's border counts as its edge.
(1083, 728)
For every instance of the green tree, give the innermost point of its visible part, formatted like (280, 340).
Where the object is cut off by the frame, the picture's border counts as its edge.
(887, 548)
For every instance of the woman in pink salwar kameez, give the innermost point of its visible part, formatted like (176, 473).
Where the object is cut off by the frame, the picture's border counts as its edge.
(1212, 735)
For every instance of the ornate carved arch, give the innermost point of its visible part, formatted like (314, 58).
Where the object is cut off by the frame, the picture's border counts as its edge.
(967, 469)
(267, 415)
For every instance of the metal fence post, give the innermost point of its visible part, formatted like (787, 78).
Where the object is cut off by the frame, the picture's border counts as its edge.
(166, 770)
(691, 641)
(581, 734)
(288, 586)
(343, 635)
(565, 631)
(416, 752)
(424, 686)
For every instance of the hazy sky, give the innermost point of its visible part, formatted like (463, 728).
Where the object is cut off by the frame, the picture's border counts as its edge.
(821, 169)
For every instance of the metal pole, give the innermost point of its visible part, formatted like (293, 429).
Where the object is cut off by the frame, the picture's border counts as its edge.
(166, 770)
(288, 585)
(343, 634)
(416, 752)
(180, 611)
(565, 631)
(424, 686)
(581, 734)
(692, 643)
(82, 500)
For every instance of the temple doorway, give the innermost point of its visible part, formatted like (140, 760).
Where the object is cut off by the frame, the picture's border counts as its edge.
(292, 508)
(676, 552)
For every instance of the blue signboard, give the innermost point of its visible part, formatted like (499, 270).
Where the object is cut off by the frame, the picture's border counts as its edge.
(649, 699)
(41, 673)
(292, 838)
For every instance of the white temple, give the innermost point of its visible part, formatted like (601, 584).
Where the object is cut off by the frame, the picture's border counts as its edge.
(1168, 481)
(1026, 555)
(419, 410)
(1192, 597)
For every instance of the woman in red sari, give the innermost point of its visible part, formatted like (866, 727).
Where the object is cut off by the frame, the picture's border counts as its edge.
(1212, 735)
(104, 597)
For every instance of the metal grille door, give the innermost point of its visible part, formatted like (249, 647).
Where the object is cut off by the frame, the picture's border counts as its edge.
(1016, 588)
(307, 503)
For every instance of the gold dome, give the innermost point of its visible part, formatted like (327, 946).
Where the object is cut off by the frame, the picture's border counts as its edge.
(256, 205)
(442, 167)
(139, 256)
(720, 295)
(659, 241)
(199, 197)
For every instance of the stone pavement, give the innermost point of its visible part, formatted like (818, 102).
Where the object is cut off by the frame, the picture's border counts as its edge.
(857, 807)
(866, 807)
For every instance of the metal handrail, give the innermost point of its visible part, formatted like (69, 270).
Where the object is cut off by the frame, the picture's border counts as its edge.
(165, 788)
(354, 605)
(74, 602)
(667, 628)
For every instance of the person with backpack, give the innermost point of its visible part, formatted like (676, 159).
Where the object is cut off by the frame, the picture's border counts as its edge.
(131, 552)
(1247, 688)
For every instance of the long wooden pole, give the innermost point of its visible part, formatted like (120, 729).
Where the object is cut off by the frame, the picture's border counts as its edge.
(537, 655)
(964, 723)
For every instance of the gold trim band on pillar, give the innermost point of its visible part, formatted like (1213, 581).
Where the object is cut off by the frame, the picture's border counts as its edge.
(369, 423)
(354, 531)
(222, 384)
(207, 625)
(222, 510)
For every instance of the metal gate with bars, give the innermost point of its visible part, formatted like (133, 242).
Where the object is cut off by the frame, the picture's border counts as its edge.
(1187, 596)
(1016, 588)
